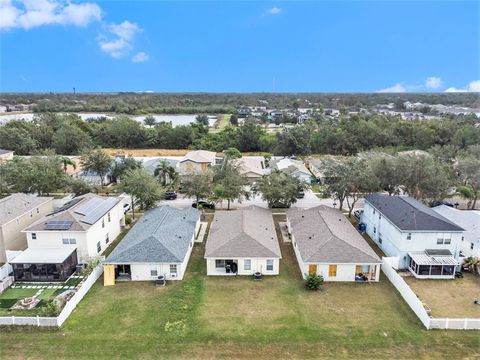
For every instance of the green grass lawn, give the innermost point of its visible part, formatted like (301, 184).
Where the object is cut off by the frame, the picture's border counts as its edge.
(235, 317)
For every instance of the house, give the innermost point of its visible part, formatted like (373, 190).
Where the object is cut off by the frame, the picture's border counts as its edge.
(253, 168)
(468, 220)
(244, 111)
(150, 164)
(16, 212)
(424, 242)
(242, 242)
(160, 243)
(45, 264)
(88, 224)
(295, 168)
(196, 162)
(6, 155)
(93, 178)
(327, 244)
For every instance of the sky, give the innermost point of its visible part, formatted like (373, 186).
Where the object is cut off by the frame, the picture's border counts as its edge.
(239, 46)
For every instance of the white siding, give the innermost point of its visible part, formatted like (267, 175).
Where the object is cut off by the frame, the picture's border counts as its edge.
(257, 264)
(395, 242)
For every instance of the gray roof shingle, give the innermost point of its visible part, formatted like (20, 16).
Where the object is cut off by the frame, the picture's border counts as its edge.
(408, 214)
(249, 232)
(162, 235)
(18, 204)
(324, 235)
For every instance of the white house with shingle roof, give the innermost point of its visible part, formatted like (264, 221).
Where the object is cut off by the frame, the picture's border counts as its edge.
(327, 244)
(89, 224)
(160, 243)
(242, 242)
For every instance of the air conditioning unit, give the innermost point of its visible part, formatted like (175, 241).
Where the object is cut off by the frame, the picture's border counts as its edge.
(173, 275)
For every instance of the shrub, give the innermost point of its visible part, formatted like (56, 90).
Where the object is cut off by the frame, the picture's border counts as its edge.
(128, 219)
(313, 282)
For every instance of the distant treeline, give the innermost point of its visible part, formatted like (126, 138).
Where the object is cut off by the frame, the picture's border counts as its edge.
(192, 103)
(69, 135)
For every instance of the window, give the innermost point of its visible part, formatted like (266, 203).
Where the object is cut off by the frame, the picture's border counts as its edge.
(332, 270)
(153, 271)
(38, 211)
(31, 214)
(34, 236)
(173, 268)
(380, 238)
(379, 216)
(374, 211)
(18, 221)
(374, 230)
(247, 264)
(471, 246)
(447, 240)
(72, 241)
(409, 236)
(269, 265)
(65, 241)
(463, 238)
(99, 247)
(103, 223)
(108, 217)
(439, 241)
(107, 239)
(219, 263)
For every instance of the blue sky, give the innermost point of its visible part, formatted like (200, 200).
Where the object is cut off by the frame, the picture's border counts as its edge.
(249, 46)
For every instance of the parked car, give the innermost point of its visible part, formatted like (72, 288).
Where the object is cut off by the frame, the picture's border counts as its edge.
(442, 202)
(205, 204)
(170, 195)
(300, 194)
(126, 208)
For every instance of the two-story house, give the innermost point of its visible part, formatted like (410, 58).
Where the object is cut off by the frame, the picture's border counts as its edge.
(89, 224)
(424, 242)
(196, 162)
(16, 212)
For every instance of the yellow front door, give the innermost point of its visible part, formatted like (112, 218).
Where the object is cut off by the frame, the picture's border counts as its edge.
(312, 269)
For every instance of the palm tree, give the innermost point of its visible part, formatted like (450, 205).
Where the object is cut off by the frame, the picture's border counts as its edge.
(173, 178)
(67, 161)
(162, 170)
(472, 264)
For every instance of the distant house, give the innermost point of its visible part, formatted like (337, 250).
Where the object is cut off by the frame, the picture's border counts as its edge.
(327, 244)
(93, 178)
(424, 242)
(253, 168)
(196, 162)
(160, 243)
(6, 155)
(302, 118)
(295, 168)
(16, 212)
(244, 111)
(87, 224)
(242, 242)
(151, 164)
(468, 220)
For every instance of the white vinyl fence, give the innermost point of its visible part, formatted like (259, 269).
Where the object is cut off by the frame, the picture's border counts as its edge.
(66, 311)
(417, 306)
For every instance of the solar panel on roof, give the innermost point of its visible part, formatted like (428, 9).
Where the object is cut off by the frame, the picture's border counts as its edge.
(99, 211)
(58, 225)
(66, 206)
(89, 206)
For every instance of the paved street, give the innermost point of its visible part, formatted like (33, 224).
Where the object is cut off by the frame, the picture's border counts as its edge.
(310, 200)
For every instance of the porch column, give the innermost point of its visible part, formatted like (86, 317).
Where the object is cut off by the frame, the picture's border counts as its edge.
(377, 272)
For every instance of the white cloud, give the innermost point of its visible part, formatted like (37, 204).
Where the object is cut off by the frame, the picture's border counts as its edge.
(433, 82)
(119, 42)
(27, 14)
(473, 86)
(140, 57)
(274, 11)
(397, 88)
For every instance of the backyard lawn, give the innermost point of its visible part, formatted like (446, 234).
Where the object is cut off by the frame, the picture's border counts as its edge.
(449, 298)
(235, 317)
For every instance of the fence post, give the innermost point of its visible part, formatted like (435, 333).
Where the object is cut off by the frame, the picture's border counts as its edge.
(13, 320)
(446, 323)
(38, 321)
(465, 324)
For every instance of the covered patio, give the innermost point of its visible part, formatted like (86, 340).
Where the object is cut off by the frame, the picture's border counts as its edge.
(432, 264)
